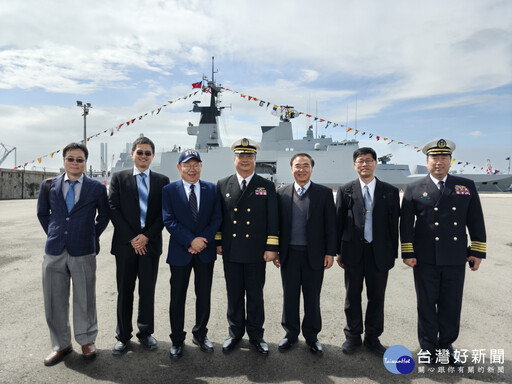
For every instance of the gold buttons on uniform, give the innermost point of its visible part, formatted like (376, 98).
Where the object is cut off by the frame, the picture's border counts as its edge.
(234, 234)
(248, 223)
(236, 209)
(247, 235)
(454, 239)
(455, 223)
(248, 209)
(234, 221)
(437, 238)
(436, 209)
(454, 208)
(436, 223)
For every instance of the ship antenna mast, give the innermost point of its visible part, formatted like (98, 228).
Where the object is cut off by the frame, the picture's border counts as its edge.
(213, 70)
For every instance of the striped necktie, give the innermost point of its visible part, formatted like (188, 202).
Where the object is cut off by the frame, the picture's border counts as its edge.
(192, 201)
(143, 198)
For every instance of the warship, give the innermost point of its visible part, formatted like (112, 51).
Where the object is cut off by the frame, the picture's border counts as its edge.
(333, 159)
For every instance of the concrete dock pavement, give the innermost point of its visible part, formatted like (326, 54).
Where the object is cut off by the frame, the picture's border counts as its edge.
(486, 321)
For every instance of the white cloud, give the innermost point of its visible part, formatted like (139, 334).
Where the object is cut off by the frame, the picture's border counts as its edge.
(477, 133)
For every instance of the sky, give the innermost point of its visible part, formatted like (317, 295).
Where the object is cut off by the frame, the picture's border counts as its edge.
(410, 71)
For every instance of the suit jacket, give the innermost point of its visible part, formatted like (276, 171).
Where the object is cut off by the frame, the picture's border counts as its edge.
(433, 225)
(179, 222)
(250, 220)
(78, 230)
(350, 211)
(125, 212)
(320, 226)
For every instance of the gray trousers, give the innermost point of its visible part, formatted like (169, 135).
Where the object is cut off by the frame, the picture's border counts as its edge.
(57, 272)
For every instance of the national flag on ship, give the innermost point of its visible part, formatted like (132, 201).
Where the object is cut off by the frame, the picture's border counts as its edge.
(199, 84)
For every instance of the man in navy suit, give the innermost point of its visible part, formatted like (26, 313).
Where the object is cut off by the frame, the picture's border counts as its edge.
(307, 245)
(73, 211)
(368, 211)
(192, 215)
(136, 210)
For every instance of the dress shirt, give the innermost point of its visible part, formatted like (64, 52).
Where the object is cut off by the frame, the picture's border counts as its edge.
(298, 187)
(139, 179)
(197, 191)
(78, 187)
(436, 181)
(371, 187)
(247, 180)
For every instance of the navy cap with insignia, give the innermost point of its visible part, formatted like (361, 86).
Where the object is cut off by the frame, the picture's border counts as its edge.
(245, 146)
(188, 154)
(439, 147)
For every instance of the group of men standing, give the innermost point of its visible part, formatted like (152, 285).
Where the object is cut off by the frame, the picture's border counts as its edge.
(299, 228)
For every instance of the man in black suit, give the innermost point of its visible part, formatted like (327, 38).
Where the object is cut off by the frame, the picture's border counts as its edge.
(435, 213)
(192, 215)
(368, 211)
(248, 239)
(307, 233)
(136, 211)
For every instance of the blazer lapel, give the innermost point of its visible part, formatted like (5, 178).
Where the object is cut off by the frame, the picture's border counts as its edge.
(357, 197)
(60, 200)
(131, 181)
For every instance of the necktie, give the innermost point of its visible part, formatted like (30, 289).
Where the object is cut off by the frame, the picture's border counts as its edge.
(441, 186)
(143, 198)
(368, 233)
(301, 191)
(244, 185)
(70, 196)
(192, 201)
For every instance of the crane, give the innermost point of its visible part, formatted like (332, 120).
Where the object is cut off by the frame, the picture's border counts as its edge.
(7, 152)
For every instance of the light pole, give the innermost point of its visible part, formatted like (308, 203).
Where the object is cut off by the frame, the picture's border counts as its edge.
(85, 107)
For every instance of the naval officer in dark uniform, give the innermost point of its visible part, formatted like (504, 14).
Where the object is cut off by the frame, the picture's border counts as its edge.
(248, 238)
(435, 213)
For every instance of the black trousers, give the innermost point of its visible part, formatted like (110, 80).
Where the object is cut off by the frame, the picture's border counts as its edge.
(439, 294)
(129, 267)
(376, 282)
(245, 281)
(297, 275)
(180, 277)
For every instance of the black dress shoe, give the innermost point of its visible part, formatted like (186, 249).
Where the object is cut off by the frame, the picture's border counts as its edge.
(453, 360)
(149, 342)
(229, 344)
(203, 343)
(315, 347)
(374, 345)
(261, 346)
(176, 351)
(119, 348)
(286, 344)
(351, 344)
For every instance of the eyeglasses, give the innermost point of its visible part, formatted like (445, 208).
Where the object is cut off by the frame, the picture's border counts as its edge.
(73, 160)
(146, 153)
(304, 166)
(190, 166)
(361, 162)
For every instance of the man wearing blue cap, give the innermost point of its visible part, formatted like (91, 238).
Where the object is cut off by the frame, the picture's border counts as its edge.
(136, 211)
(192, 215)
(436, 210)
